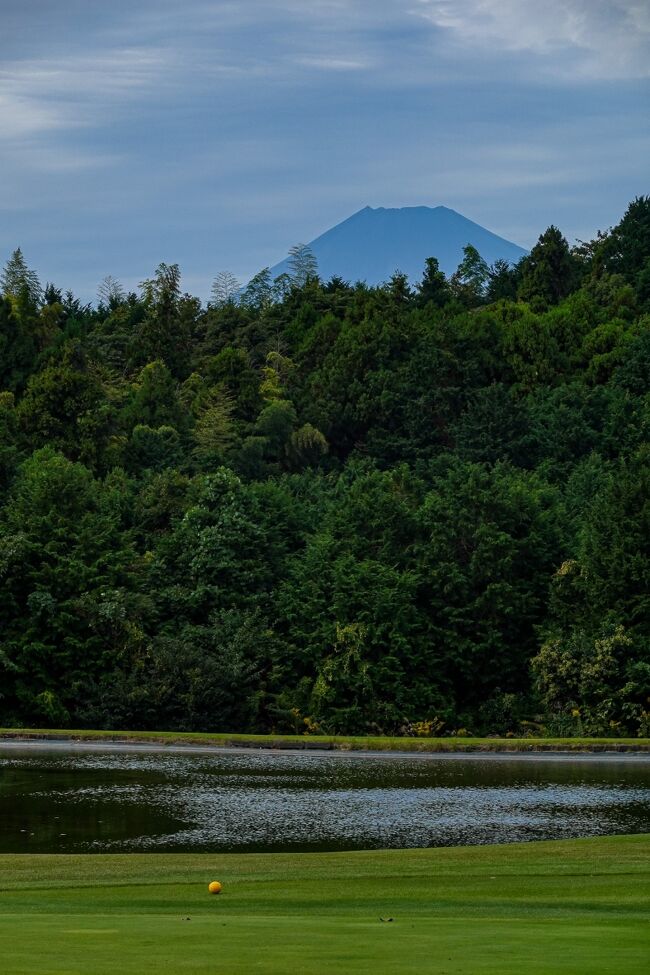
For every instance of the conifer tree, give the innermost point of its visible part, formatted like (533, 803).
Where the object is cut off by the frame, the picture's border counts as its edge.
(19, 281)
(549, 271)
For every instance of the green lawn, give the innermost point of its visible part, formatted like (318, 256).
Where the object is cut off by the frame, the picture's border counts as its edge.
(340, 742)
(562, 907)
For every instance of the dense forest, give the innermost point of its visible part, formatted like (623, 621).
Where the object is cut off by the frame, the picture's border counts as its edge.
(314, 506)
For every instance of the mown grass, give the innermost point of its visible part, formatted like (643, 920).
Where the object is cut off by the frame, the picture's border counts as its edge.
(541, 908)
(338, 742)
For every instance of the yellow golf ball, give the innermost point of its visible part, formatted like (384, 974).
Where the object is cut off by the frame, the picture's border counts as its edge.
(214, 887)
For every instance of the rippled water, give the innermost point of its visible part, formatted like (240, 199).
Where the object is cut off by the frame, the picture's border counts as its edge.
(81, 799)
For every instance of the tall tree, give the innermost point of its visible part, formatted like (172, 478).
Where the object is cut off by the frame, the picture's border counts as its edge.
(433, 288)
(258, 293)
(626, 250)
(19, 281)
(469, 280)
(503, 280)
(302, 264)
(163, 334)
(548, 273)
(110, 292)
(225, 289)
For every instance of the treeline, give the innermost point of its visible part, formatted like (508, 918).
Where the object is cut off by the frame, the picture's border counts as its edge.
(318, 506)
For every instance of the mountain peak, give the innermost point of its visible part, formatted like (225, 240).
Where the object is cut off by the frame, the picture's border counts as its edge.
(374, 242)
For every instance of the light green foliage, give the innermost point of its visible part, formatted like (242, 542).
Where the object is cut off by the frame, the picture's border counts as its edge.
(584, 676)
(213, 431)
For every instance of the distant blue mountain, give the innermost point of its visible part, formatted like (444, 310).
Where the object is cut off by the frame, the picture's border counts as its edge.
(376, 241)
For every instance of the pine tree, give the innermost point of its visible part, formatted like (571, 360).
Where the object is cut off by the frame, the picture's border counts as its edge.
(549, 271)
(434, 287)
(18, 281)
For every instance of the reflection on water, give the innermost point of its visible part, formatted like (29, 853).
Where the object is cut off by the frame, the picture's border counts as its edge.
(66, 799)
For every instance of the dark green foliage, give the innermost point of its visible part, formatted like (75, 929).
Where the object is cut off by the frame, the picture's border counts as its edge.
(548, 272)
(9, 451)
(66, 407)
(17, 347)
(503, 282)
(70, 598)
(626, 250)
(434, 286)
(203, 677)
(165, 330)
(491, 538)
(469, 281)
(322, 506)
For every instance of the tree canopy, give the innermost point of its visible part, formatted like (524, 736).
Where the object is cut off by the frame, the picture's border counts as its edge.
(320, 506)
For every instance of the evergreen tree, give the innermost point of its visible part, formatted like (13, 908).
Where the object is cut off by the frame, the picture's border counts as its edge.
(434, 287)
(548, 273)
(18, 281)
(163, 333)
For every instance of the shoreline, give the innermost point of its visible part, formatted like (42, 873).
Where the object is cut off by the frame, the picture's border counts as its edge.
(206, 743)
(33, 746)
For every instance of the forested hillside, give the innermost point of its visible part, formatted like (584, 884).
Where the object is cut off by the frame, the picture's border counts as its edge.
(319, 506)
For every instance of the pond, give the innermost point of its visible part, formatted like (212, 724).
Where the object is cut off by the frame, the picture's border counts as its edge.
(62, 798)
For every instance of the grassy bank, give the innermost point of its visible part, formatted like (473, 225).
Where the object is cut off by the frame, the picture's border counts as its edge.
(339, 742)
(545, 908)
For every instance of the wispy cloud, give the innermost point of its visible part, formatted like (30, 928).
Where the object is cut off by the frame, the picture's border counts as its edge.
(333, 63)
(577, 38)
(48, 94)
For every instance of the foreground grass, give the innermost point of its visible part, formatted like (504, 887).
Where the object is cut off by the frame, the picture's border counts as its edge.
(542, 909)
(337, 742)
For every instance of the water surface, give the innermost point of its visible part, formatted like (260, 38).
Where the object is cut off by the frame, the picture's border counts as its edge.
(58, 798)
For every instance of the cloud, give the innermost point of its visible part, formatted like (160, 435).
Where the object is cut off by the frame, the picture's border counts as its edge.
(589, 39)
(47, 94)
(49, 107)
(333, 63)
(219, 132)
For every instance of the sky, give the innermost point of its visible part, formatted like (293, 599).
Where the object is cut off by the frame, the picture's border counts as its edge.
(217, 134)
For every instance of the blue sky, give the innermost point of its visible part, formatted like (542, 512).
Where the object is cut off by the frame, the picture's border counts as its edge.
(217, 134)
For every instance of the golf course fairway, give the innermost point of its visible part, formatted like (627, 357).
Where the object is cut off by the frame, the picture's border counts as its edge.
(578, 906)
